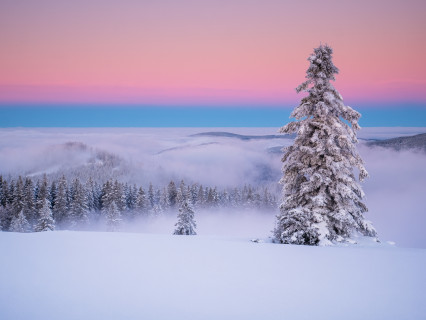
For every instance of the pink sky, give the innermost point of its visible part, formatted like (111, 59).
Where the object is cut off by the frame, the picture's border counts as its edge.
(207, 52)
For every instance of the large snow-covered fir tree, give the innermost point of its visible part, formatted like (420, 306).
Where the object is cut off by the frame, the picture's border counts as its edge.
(186, 224)
(322, 201)
(45, 220)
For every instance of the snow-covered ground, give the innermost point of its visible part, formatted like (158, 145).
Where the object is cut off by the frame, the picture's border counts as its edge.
(87, 275)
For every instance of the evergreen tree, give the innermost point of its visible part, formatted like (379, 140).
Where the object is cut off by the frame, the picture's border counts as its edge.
(180, 195)
(60, 209)
(257, 200)
(268, 201)
(78, 205)
(11, 193)
(107, 194)
(200, 197)
(18, 196)
(223, 198)
(151, 201)
(141, 204)
(1, 190)
(36, 188)
(172, 194)
(131, 195)
(42, 193)
(113, 217)
(164, 200)
(29, 201)
(91, 195)
(19, 223)
(186, 224)
(210, 198)
(157, 197)
(52, 194)
(45, 220)
(214, 197)
(4, 192)
(249, 198)
(6, 217)
(236, 198)
(97, 193)
(194, 193)
(322, 201)
(118, 196)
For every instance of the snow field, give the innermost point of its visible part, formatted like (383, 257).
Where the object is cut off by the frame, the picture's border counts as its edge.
(97, 275)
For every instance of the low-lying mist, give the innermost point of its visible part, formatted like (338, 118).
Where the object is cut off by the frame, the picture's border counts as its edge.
(143, 155)
(395, 194)
(394, 191)
(217, 222)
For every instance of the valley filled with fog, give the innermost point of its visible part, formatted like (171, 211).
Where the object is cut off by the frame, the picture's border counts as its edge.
(224, 158)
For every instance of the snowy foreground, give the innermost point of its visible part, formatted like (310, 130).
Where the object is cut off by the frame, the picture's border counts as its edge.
(96, 275)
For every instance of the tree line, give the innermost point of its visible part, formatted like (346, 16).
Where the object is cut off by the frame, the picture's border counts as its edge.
(27, 206)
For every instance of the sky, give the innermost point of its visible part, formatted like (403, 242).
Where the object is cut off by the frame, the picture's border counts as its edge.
(217, 58)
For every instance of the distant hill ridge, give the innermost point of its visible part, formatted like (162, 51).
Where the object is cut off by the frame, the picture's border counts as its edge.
(242, 137)
(416, 142)
(403, 143)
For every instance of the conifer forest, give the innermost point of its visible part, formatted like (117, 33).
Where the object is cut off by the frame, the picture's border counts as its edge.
(41, 205)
